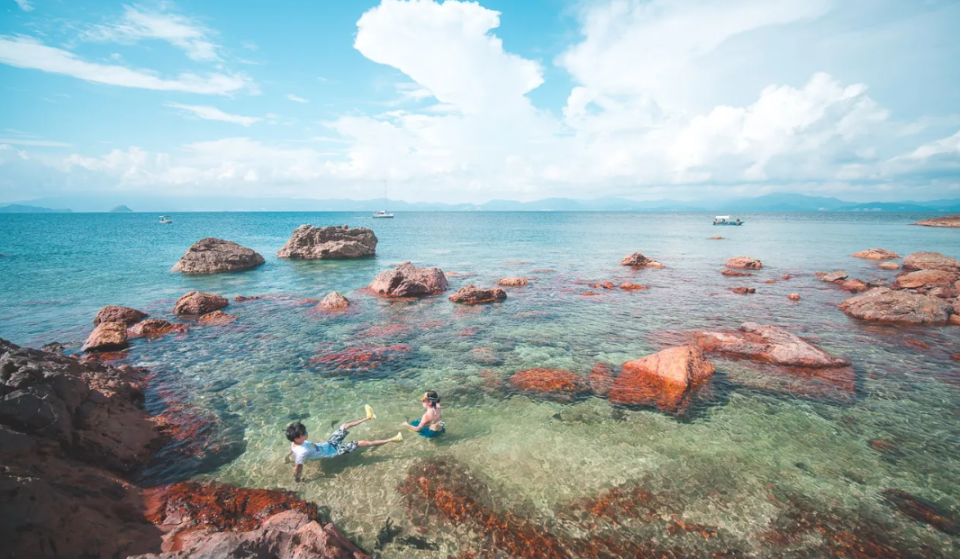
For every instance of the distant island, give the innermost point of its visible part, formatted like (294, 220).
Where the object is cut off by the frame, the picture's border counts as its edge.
(121, 209)
(22, 209)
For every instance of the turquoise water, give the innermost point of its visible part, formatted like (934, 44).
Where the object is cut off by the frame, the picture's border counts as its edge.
(755, 430)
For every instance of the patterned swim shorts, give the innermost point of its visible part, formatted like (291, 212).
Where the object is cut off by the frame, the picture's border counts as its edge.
(336, 441)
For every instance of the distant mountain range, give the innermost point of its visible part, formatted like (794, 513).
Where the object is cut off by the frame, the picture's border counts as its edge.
(767, 203)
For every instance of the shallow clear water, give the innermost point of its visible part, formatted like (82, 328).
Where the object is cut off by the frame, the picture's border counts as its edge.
(756, 430)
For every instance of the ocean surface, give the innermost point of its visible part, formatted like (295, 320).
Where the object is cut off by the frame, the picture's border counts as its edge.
(764, 463)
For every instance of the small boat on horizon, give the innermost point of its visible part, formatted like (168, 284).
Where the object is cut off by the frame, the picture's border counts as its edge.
(382, 214)
(725, 220)
(165, 219)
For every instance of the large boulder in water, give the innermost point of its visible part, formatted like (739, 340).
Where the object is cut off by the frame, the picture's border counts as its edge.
(744, 262)
(116, 313)
(877, 254)
(212, 256)
(662, 379)
(107, 336)
(926, 279)
(768, 344)
(930, 261)
(407, 280)
(334, 301)
(470, 295)
(309, 242)
(196, 303)
(886, 305)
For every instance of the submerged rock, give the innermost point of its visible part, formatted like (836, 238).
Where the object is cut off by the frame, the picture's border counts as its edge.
(888, 266)
(735, 274)
(923, 511)
(550, 383)
(631, 286)
(886, 305)
(513, 282)
(601, 379)
(716, 238)
(212, 256)
(662, 379)
(309, 242)
(407, 280)
(333, 301)
(196, 303)
(744, 262)
(636, 260)
(877, 254)
(744, 290)
(930, 261)
(155, 327)
(470, 295)
(794, 296)
(768, 344)
(116, 313)
(925, 279)
(216, 318)
(947, 221)
(854, 286)
(108, 336)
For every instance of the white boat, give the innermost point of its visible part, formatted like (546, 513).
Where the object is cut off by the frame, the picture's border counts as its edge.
(165, 219)
(382, 214)
(725, 220)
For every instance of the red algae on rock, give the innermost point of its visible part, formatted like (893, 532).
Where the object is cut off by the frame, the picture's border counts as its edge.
(663, 380)
(550, 383)
(360, 359)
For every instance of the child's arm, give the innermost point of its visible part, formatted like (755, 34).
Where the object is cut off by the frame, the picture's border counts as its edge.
(423, 422)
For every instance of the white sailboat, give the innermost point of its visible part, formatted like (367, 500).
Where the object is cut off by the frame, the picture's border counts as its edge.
(382, 214)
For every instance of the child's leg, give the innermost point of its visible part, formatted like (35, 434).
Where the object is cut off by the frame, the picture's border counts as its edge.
(365, 444)
(353, 424)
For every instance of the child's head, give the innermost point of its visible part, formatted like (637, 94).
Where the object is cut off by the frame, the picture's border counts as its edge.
(296, 432)
(430, 399)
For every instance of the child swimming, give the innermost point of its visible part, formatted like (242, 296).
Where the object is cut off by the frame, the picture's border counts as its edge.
(303, 450)
(430, 425)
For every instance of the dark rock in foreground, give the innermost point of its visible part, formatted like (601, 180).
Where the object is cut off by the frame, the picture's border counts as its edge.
(212, 256)
(407, 280)
(309, 242)
(197, 303)
(886, 305)
(116, 313)
(470, 295)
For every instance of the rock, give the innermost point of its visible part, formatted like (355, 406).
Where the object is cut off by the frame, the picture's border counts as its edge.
(744, 262)
(216, 318)
(925, 279)
(116, 313)
(333, 301)
(948, 221)
(886, 305)
(930, 261)
(854, 286)
(923, 511)
(631, 286)
(604, 285)
(512, 282)
(550, 383)
(946, 292)
(407, 280)
(786, 277)
(716, 238)
(877, 254)
(744, 290)
(767, 344)
(889, 265)
(663, 379)
(839, 275)
(243, 298)
(735, 274)
(794, 296)
(155, 327)
(955, 319)
(470, 295)
(196, 303)
(314, 243)
(213, 256)
(600, 379)
(636, 260)
(108, 336)
(654, 264)
(770, 282)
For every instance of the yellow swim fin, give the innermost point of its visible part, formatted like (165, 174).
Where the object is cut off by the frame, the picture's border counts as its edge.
(370, 414)
(398, 438)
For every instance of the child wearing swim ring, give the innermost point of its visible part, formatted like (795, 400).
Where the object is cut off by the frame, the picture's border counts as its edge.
(431, 424)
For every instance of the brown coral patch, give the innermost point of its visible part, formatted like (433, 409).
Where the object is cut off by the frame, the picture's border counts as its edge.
(360, 359)
(554, 383)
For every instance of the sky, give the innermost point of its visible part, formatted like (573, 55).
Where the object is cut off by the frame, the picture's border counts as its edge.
(467, 102)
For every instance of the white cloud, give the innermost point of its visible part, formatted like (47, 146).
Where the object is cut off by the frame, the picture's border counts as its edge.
(945, 146)
(32, 142)
(25, 52)
(138, 23)
(293, 97)
(213, 113)
(25, 5)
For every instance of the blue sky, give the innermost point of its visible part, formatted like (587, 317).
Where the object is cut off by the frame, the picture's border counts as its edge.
(467, 101)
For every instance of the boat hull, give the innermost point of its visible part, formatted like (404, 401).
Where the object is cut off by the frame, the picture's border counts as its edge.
(729, 224)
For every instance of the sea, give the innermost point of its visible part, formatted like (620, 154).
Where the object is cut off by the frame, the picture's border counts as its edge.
(763, 462)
